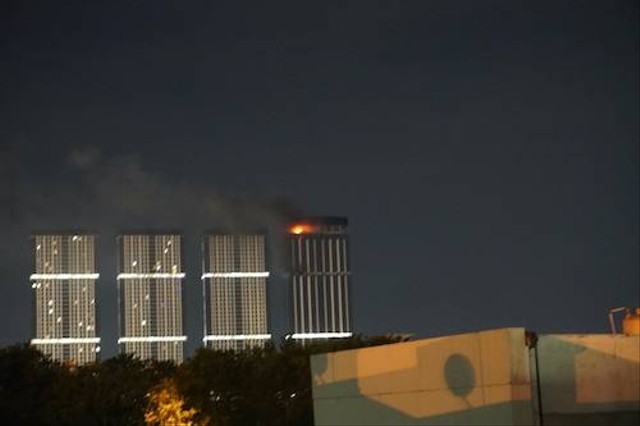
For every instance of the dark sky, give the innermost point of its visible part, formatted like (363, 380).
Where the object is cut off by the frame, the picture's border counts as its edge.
(485, 152)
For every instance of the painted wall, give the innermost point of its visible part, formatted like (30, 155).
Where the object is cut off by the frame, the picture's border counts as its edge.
(475, 378)
(589, 379)
(488, 377)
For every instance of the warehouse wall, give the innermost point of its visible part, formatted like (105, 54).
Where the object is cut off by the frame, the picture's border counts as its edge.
(589, 379)
(474, 378)
(488, 377)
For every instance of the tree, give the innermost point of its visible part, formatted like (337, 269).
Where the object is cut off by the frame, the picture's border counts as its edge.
(262, 386)
(166, 407)
(26, 379)
(121, 387)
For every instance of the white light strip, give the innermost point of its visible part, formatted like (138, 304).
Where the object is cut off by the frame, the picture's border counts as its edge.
(236, 337)
(34, 277)
(320, 335)
(65, 340)
(152, 339)
(152, 275)
(235, 275)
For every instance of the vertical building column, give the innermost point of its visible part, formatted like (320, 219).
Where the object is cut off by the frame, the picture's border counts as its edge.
(150, 284)
(319, 279)
(64, 292)
(235, 278)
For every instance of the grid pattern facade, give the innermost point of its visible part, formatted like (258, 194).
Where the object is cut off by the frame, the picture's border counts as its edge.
(150, 296)
(235, 291)
(64, 297)
(320, 280)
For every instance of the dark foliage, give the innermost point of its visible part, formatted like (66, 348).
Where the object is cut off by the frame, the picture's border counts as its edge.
(257, 387)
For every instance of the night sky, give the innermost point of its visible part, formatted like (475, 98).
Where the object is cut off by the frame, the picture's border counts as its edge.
(486, 153)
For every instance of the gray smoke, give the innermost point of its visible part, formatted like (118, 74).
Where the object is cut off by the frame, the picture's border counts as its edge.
(110, 195)
(106, 196)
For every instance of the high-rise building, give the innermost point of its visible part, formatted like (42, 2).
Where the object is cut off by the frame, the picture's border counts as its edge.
(64, 296)
(320, 279)
(150, 295)
(234, 280)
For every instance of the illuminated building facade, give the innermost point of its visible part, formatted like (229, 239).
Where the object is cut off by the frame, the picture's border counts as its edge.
(64, 296)
(234, 280)
(150, 295)
(320, 279)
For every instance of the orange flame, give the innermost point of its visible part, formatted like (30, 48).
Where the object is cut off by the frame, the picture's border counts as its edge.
(301, 229)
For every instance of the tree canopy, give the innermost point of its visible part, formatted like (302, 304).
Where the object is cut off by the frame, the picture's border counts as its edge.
(267, 386)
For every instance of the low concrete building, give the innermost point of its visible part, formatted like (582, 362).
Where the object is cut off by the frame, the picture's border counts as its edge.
(500, 377)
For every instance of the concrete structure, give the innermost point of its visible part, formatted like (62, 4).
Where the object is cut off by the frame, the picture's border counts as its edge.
(589, 379)
(320, 279)
(150, 295)
(63, 283)
(234, 280)
(498, 377)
